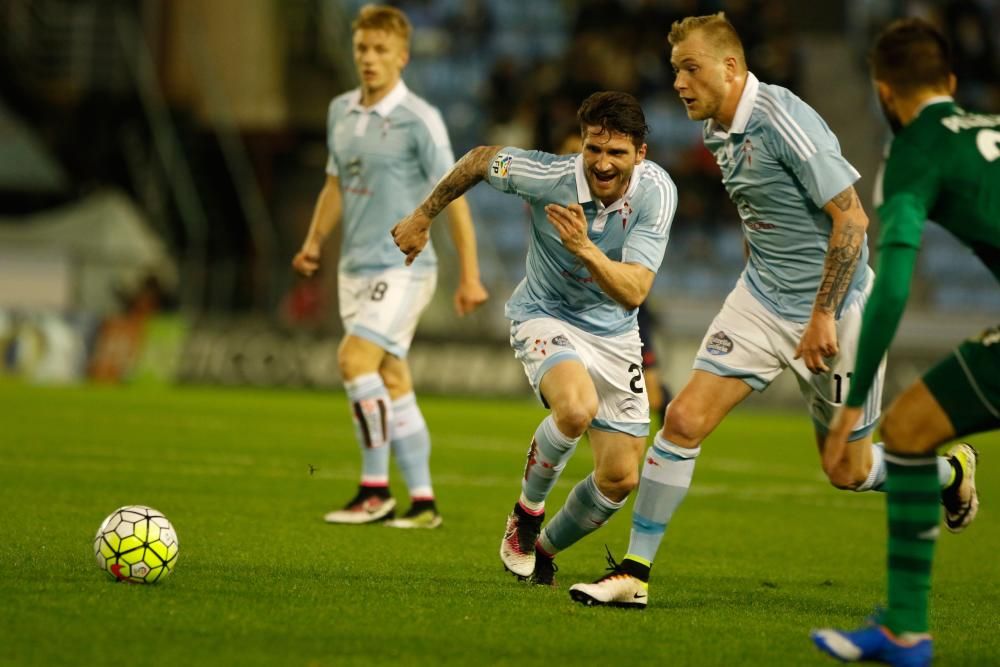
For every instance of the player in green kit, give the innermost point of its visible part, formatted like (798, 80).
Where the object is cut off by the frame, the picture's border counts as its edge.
(944, 164)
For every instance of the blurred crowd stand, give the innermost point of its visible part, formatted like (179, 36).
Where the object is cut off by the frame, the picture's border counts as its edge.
(208, 118)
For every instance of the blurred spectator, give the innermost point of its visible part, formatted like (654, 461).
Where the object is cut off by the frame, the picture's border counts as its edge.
(968, 28)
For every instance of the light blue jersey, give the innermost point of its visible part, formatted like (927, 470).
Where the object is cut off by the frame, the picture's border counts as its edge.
(388, 157)
(633, 229)
(781, 164)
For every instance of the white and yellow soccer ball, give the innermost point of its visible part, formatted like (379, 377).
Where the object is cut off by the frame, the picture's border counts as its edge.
(136, 544)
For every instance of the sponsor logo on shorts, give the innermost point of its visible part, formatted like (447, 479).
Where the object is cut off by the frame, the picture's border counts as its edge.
(561, 341)
(630, 407)
(719, 344)
(501, 165)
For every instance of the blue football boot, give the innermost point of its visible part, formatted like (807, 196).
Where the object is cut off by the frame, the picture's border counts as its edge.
(874, 643)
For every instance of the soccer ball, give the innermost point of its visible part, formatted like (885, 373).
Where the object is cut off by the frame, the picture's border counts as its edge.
(136, 544)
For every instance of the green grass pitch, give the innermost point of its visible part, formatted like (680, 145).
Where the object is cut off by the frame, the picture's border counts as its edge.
(762, 550)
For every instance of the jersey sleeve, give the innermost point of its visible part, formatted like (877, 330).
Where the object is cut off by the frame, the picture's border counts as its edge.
(647, 240)
(908, 191)
(331, 161)
(433, 146)
(804, 143)
(883, 312)
(910, 186)
(528, 174)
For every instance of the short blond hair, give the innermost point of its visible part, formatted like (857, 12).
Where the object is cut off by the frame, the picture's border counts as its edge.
(717, 28)
(383, 17)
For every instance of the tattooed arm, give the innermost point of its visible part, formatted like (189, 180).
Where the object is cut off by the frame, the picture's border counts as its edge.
(413, 231)
(819, 340)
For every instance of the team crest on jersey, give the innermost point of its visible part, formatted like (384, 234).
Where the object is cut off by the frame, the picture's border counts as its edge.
(501, 165)
(719, 344)
(354, 167)
(748, 151)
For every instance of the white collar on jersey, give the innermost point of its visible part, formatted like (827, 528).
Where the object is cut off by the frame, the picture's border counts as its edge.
(583, 190)
(743, 108)
(384, 106)
(937, 99)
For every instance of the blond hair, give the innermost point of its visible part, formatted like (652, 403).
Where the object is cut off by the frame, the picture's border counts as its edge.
(717, 28)
(383, 17)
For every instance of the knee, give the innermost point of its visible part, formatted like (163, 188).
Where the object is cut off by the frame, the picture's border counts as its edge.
(574, 417)
(685, 424)
(573, 421)
(395, 383)
(350, 365)
(616, 484)
(845, 477)
(354, 361)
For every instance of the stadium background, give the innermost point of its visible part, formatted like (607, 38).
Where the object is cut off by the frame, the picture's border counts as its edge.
(161, 161)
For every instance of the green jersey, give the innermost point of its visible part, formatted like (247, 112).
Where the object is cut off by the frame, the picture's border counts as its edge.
(945, 166)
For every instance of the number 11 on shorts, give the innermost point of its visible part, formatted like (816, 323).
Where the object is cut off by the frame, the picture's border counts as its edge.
(838, 381)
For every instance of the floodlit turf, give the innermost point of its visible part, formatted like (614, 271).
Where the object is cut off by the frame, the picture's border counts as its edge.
(761, 551)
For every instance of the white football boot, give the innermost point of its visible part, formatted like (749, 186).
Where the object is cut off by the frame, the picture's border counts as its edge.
(517, 548)
(365, 507)
(617, 588)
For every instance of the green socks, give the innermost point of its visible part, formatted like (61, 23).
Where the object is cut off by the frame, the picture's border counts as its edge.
(914, 499)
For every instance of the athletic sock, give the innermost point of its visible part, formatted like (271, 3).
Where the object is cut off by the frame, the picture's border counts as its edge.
(666, 476)
(876, 476)
(372, 413)
(411, 445)
(634, 565)
(422, 505)
(586, 510)
(949, 471)
(914, 500)
(550, 450)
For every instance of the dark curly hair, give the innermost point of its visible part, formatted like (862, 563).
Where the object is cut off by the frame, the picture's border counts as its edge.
(615, 112)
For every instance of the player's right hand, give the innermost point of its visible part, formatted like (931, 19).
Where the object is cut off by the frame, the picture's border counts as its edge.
(818, 342)
(411, 234)
(469, 296)
(306, 261)
(835, 444)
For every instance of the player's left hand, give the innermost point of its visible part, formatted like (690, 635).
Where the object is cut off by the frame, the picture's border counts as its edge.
(835, 445)
(411, 234)
(819, 342)
(469, 296)
(571, 223)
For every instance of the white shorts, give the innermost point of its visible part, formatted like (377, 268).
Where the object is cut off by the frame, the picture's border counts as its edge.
(614, 364)
(385, 307)
(747, 341)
